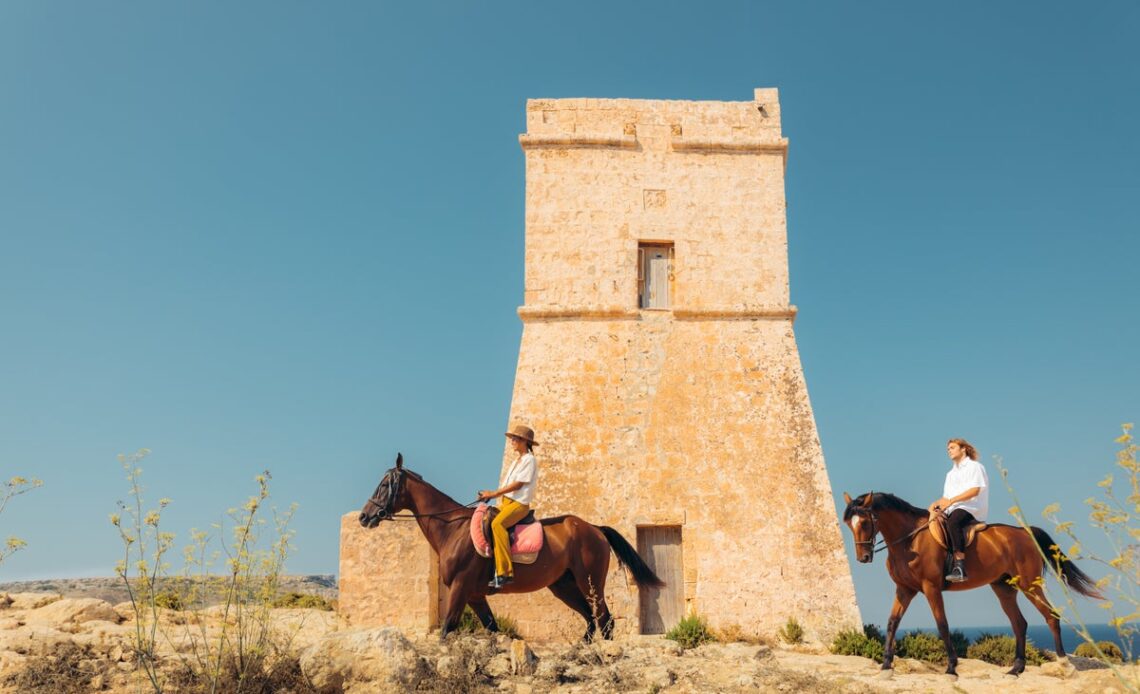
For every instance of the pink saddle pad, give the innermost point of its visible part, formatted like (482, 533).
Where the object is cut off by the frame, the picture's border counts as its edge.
(525, 539)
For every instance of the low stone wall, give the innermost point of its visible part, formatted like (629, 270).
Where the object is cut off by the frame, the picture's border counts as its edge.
(388, 576)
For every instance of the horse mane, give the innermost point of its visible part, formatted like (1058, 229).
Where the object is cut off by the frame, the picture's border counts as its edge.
(419, 478)
(881, 501)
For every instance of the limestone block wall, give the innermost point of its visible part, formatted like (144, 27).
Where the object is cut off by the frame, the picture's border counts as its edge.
(604, 174)
(388, 576)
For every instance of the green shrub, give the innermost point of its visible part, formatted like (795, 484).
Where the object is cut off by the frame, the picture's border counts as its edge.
(792, 632)
(1000, 650)
(691, 632)
(508, 626)
(1111, 651)
(733, 633)
(169, 600)
(469, 624)
(851, 642)
(872, 631)
(928, 647)
(302, 600)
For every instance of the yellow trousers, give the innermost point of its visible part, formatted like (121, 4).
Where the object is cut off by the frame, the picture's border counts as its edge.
(510, 512)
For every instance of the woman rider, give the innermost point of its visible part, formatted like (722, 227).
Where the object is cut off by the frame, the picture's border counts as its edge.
(965, 499)
(516, 493)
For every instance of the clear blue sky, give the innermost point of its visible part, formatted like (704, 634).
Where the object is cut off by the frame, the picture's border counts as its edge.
(289, 235)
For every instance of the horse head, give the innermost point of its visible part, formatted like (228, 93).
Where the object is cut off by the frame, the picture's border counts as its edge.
(388, 498)
(863, 523)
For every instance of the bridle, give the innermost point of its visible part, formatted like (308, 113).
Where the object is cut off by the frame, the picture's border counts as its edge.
(870, 515)
(867, 512)
(391, 483)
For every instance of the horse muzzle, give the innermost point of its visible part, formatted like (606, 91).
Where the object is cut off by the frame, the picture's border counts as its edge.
(372, 520)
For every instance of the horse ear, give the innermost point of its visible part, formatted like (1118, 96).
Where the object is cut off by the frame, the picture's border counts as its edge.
(399, 461)
(846, 498)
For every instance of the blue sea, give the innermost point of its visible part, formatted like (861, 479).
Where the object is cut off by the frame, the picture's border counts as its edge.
(1041, 637)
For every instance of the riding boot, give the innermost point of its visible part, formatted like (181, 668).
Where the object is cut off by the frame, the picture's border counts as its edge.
(500, 581)
(957, 571)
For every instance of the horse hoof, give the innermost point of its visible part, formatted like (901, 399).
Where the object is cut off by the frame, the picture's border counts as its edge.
(1010, 676)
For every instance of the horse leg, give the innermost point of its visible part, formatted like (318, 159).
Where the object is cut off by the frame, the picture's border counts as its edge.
(593, 589)
(903, 596)
(455, 603)
(566, 590)
(1036, 594)
(482, 610)
(934, 597)
(1007, 596)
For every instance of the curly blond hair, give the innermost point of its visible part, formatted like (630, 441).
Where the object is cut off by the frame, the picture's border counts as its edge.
(971, 452)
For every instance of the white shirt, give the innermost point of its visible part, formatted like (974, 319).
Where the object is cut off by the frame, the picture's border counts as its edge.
(524, 470)
(967, 475)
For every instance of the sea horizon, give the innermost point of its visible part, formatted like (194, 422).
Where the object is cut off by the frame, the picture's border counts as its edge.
(1039, 635)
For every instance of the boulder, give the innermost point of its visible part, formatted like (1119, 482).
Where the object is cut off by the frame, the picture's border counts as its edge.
(498, 666)
(37, 639)
(523, 660)
(30, 601)
(658, 677)
(382, 658)
(73, 611)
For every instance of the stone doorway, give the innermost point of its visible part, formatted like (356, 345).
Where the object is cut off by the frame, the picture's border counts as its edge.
(662, 608)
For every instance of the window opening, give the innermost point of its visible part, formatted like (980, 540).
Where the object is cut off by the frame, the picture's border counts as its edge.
(654, 275)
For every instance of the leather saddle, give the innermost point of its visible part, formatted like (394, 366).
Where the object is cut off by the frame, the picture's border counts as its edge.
(490, 516)
(937, 527)
(938, 531)
(526, 537)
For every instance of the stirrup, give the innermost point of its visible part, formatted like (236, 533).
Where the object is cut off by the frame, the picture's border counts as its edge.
(500, 581)
(957, 572)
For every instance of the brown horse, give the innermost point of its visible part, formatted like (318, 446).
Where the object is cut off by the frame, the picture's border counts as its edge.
(573, 563)
(999, 554)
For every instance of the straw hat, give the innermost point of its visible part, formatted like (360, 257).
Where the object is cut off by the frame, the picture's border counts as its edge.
(525, 433)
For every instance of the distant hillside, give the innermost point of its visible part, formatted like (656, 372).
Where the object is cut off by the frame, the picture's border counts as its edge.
(113, 591)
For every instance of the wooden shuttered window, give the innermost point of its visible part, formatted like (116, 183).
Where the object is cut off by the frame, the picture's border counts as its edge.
(654, 275)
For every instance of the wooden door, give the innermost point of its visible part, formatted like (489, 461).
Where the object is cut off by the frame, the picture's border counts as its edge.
(662, 608)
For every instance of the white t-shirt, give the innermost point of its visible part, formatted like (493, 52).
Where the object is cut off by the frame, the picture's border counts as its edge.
(967, 475)
(524, 470)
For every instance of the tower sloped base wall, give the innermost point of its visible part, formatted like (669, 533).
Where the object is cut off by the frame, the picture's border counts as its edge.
(702, 424)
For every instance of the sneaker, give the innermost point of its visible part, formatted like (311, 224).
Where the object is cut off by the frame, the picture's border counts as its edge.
(500, 581)
(957, 572)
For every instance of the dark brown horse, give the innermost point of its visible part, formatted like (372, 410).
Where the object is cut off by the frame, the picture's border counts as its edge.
(917, 563)
(573, 563)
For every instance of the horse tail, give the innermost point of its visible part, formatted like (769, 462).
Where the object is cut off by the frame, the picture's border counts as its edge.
(628, 556)
(1075, 578)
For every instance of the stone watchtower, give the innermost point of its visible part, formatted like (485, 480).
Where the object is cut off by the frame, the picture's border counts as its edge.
(659, 367)
(660, 371)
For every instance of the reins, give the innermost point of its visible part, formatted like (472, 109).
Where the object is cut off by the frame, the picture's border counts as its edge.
(412, 516)
(883, 544)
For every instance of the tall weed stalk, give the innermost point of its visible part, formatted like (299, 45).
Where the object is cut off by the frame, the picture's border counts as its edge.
(227, 585)
(145, 546)
(8, 490)
(1118, 519)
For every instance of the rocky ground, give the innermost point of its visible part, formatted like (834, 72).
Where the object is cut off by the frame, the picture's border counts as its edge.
(61, 645)
(113, 591)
